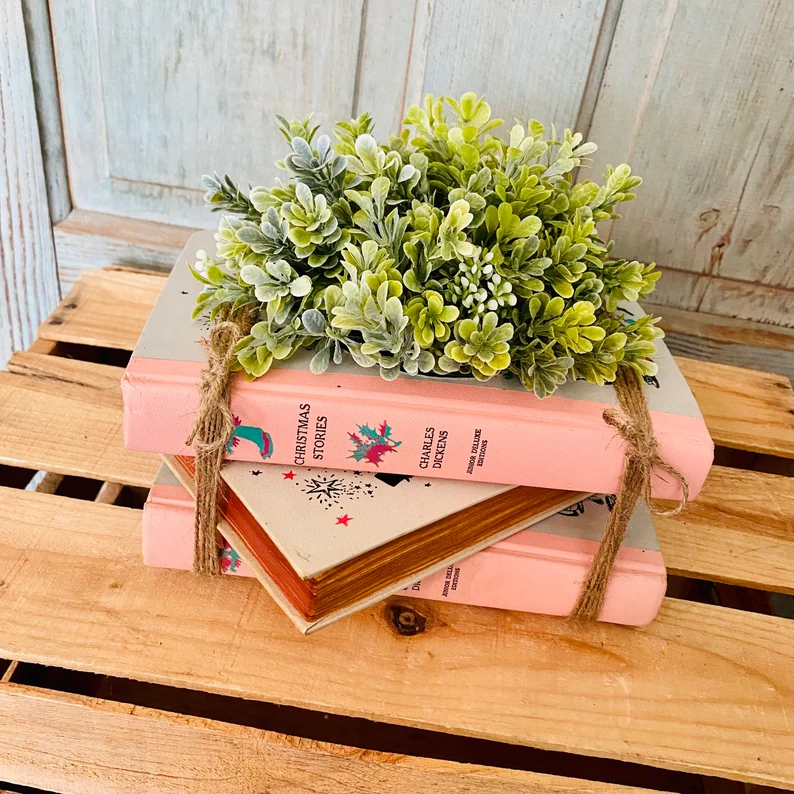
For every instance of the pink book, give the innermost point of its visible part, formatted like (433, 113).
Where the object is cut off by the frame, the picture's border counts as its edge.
(536, 570)
(349, 418)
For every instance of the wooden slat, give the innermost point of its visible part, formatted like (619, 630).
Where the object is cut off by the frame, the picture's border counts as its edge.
(87, 240)
(67, 742)
(64, 416)
(702, 689)
(743, 408)
(720, 62)
(741, 343)
(739, 530)
(106, 308)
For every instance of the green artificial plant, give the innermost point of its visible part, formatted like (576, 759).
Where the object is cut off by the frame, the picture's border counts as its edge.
(446, 251)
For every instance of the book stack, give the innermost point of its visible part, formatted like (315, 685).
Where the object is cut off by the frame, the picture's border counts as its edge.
(342, 489)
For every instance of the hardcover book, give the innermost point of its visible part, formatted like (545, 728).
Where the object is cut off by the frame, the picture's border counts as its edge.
(327, 543)
(350, 418)
(535, 570)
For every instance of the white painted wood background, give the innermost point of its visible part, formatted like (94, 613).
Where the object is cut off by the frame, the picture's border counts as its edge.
(137, 98)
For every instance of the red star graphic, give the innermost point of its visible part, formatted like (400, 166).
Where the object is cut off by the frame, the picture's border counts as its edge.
(344, 519)
(289, 475)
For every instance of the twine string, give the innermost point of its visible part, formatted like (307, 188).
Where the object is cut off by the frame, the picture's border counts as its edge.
(633, 424)
(210, 435)
(215, 424)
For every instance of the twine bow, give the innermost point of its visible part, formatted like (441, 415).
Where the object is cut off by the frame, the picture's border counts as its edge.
(633, 424)
(210, 435)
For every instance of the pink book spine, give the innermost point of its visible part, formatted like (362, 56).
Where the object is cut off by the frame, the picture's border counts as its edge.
(431, 429)
(529, 572)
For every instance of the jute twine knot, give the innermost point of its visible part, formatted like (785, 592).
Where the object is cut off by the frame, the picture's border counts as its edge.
(210, 435)
(633, 424)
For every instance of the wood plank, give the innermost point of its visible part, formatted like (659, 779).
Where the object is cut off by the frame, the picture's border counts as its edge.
(170, 116)
(739, 530)
(48, 106)
(28, 275)
(532, 38)
(749, 301)
(64, 416)
(384, 61)
(702, 689)
(717, 538)
(745, 300)
(106, 308)
(743, 408)
(95, 240)
(67, 742)
(709, 74)
(723, 330)
(741, 343)
(108, 493)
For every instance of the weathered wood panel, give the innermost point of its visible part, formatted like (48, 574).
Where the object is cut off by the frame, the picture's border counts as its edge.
(28, 275)
(192, 90)
(196, 89)
(66, 742)
(697, 97)
(702, 689)
(48, 108)
(531, 58)
(742, 343)
(391, 41)
(93, 240)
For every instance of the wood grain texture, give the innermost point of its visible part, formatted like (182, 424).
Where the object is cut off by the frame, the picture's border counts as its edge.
(48, 108)
(28, 275)
(94, 240)
(502, 50)
(741, 343)
(702, 689)
(725, 297)
(64, 416)
(750, 542)
(740, 530)
(696, 97)
(748, 301)
(68, 742)
(721, 329)
(389, 43)
(743, 408)
(190, 91)
(105, 308)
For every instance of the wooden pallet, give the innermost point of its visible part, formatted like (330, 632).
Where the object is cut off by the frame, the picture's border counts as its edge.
(123, 678)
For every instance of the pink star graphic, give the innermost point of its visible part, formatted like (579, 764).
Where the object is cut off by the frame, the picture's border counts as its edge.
(344, 519)
(289, 475)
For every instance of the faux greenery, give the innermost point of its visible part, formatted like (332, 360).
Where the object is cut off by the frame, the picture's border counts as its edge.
(446, 250)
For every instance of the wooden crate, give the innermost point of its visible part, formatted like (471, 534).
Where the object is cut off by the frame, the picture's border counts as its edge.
(122, 678)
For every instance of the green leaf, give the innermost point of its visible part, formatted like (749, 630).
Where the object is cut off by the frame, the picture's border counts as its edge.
(380, 191)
